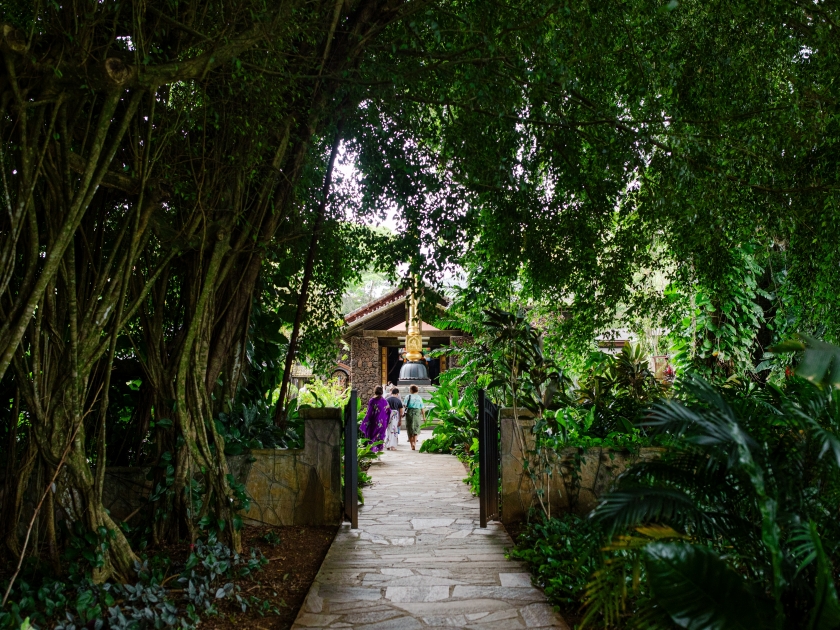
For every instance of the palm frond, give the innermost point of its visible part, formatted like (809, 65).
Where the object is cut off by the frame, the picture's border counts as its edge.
(623, 509)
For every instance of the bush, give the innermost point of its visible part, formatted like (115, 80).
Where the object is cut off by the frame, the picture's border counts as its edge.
(737, 524)
(562, 553)
(252, 427)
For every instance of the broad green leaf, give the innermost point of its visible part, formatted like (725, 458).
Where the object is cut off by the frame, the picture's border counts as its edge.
(820, 361)
(701, 592)
(825, 614)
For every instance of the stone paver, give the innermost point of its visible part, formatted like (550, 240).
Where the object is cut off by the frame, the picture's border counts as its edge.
(419, 559)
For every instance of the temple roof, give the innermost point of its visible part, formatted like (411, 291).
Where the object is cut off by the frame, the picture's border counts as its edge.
(389, 299)
(384, 313)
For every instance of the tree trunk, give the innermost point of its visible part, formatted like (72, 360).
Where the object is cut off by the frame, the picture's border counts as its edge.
(280, 409)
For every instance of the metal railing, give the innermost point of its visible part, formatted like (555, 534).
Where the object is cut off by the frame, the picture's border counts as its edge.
(488, 459)
(351, 460)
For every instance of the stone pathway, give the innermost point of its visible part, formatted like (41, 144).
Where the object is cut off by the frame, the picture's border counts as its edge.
(419, 559)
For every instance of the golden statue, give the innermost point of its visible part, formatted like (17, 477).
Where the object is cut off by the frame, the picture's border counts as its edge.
(414, 370)
(414, 330)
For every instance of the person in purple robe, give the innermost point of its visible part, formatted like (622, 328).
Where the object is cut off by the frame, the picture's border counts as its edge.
(375, 424)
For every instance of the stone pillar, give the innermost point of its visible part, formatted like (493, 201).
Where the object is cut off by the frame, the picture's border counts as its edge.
(457, 342)
(296, 486)
(364, 367)
(320, 499)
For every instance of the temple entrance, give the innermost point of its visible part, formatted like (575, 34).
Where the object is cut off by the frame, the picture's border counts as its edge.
(377, 332)
(433, 368)
(394, 365)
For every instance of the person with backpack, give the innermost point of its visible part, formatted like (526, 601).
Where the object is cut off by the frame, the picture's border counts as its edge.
(415, 414)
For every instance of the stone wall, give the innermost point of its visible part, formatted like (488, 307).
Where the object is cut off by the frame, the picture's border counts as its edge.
(126, 490)
(365, 372)
(298, 486)
(579, 493)
(286, 486)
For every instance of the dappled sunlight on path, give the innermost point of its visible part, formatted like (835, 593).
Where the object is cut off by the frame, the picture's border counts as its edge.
(419, 559)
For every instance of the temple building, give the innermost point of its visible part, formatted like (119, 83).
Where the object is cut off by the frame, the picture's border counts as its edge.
(376, 335)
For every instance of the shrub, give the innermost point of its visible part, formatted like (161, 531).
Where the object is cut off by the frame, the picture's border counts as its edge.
(736, 526)
(210, 575)
(562, 553)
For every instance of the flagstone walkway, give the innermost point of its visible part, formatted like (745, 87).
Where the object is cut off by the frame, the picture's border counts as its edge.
(420, 560)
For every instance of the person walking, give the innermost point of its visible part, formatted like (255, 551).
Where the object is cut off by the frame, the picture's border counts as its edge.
(414, 412)
(396, 410)
(375, 424)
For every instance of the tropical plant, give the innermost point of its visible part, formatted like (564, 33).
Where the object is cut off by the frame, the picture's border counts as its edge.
(323, 393)
(454, 415)
(212, 573)
(617, 390)
(735, 526)
(366, 456)
(562, 553)
(252, 427)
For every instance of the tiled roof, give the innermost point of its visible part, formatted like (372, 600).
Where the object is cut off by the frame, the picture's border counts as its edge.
(371, 307)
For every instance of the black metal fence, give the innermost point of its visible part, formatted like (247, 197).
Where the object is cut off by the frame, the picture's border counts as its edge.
(351, 460)
(488, 459)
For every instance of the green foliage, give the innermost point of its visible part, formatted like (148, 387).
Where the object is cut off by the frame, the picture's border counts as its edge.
(271, 538)
(741, 502)
(323, 393)
(365, 457)
(212, 573)
(508, 358)
(454, 413)
(252, 427)
(819, 363)
(562, 553)
(716, 322)
(591, 165)
(700, 591)
(370, 286)
(614, 393)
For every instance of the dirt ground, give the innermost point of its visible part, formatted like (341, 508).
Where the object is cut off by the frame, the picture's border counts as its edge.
(283, 583)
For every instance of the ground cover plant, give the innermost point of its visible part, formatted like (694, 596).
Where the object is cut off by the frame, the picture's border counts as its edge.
(211, 572)
(562, 553)
(271, 584)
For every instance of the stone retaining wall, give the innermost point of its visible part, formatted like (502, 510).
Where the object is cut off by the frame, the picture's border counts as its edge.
(297, 486)
(286, 486)
(579, 493)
